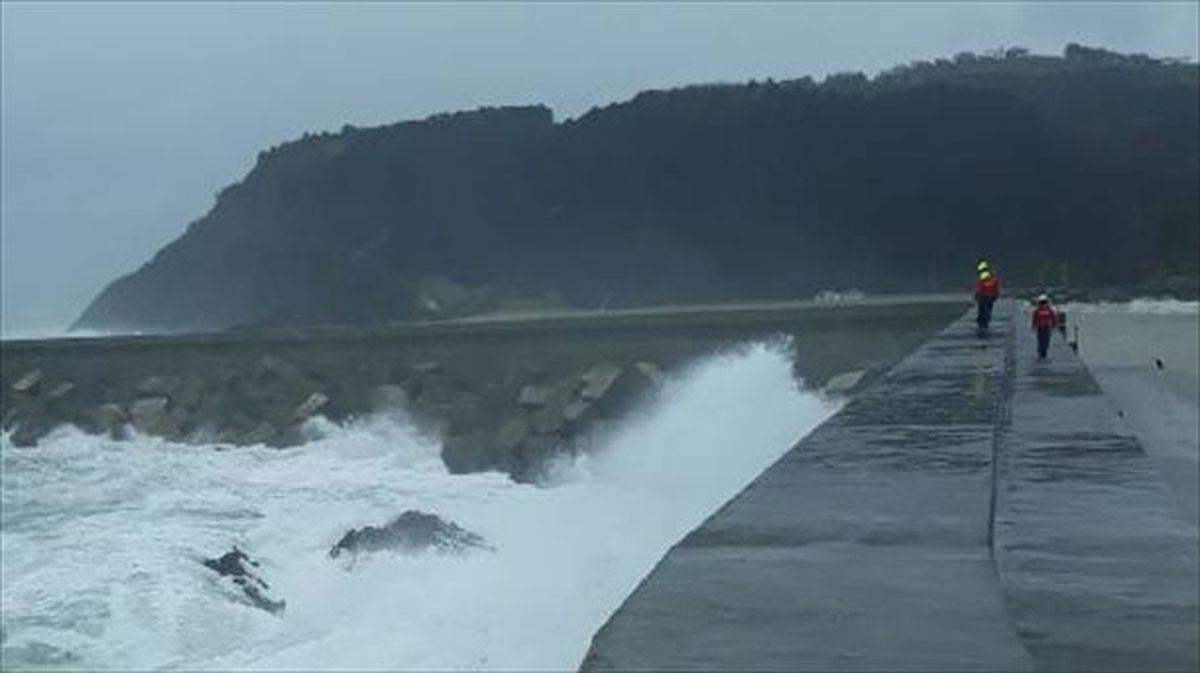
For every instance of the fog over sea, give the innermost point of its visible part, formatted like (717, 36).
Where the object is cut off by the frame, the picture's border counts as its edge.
(103, 540)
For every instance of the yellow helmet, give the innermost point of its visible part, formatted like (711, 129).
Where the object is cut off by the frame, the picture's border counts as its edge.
(982, 266)
(985, 274)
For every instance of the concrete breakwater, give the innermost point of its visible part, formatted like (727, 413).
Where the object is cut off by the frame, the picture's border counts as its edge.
(503, 393)
(972, 509)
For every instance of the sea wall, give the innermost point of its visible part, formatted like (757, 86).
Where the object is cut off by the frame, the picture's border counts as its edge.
(502, 392)
(975, 508)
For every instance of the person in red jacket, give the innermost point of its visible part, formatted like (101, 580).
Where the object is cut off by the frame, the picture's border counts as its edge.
(1044, 320)
(987, 289)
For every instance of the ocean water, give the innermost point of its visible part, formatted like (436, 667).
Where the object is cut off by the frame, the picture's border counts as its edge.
(102, 540)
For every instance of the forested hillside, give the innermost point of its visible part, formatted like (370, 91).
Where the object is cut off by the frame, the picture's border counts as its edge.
(1080, 168)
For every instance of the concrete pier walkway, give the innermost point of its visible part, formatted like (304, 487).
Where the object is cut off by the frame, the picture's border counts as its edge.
(1098, 560)
(972, 509)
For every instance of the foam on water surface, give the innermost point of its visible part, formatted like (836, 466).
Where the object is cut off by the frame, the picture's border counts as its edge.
(102, 540)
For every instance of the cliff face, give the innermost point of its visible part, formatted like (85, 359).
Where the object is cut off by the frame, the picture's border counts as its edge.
(1084, 166)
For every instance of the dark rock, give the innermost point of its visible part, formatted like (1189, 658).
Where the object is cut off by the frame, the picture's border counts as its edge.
(260, 434)
(152, 416)
(652, 373)
(512, 434)
(191, 393)
(21, 407)
(28, 383)
(239, 424)
(10, 415)
(461, 412)
(614, 390)
(522, 372)
(215, 408)
(576, 413)
(411, 532)
(388, 397)
(108, 417)
(291, 435)
(309, 406)
(229, 375)
(435, 387)
(30, 429)
(597, 381)
(469, 452)
(532, 396)
(159, 386)
(426, 367)
(60, 391)
(283, 402)
(547, 420)
(412, 387)
(179, 416)
(271, 364)
(232, 563)
(240, 568)
(531, 457)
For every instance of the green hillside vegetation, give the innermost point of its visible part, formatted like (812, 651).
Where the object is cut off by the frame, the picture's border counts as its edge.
(1081, 168)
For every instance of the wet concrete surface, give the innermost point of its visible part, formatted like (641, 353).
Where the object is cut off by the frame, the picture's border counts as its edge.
(1097, 559)
(1114, 336)
(870, 544)
(1146, 362)
(865, 547)
(1163, 409)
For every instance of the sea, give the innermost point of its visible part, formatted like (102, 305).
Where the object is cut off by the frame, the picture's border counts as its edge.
(102, 541)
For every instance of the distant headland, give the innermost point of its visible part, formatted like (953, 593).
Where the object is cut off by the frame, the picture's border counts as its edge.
(1078, 169)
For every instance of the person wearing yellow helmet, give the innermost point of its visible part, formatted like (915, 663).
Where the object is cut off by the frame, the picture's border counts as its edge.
(987, 290)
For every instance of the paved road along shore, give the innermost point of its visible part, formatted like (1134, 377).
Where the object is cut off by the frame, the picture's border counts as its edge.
(973, 509)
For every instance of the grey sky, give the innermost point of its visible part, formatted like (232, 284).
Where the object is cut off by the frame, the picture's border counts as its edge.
(119, 122)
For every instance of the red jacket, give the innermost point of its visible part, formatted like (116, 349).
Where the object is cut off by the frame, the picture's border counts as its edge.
(1044, 317)
(987, 287)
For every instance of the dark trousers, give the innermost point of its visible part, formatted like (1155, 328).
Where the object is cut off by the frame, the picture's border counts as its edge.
(983, 311)
(1043, 341)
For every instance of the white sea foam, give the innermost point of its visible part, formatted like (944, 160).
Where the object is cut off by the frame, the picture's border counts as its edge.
(102, 539)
